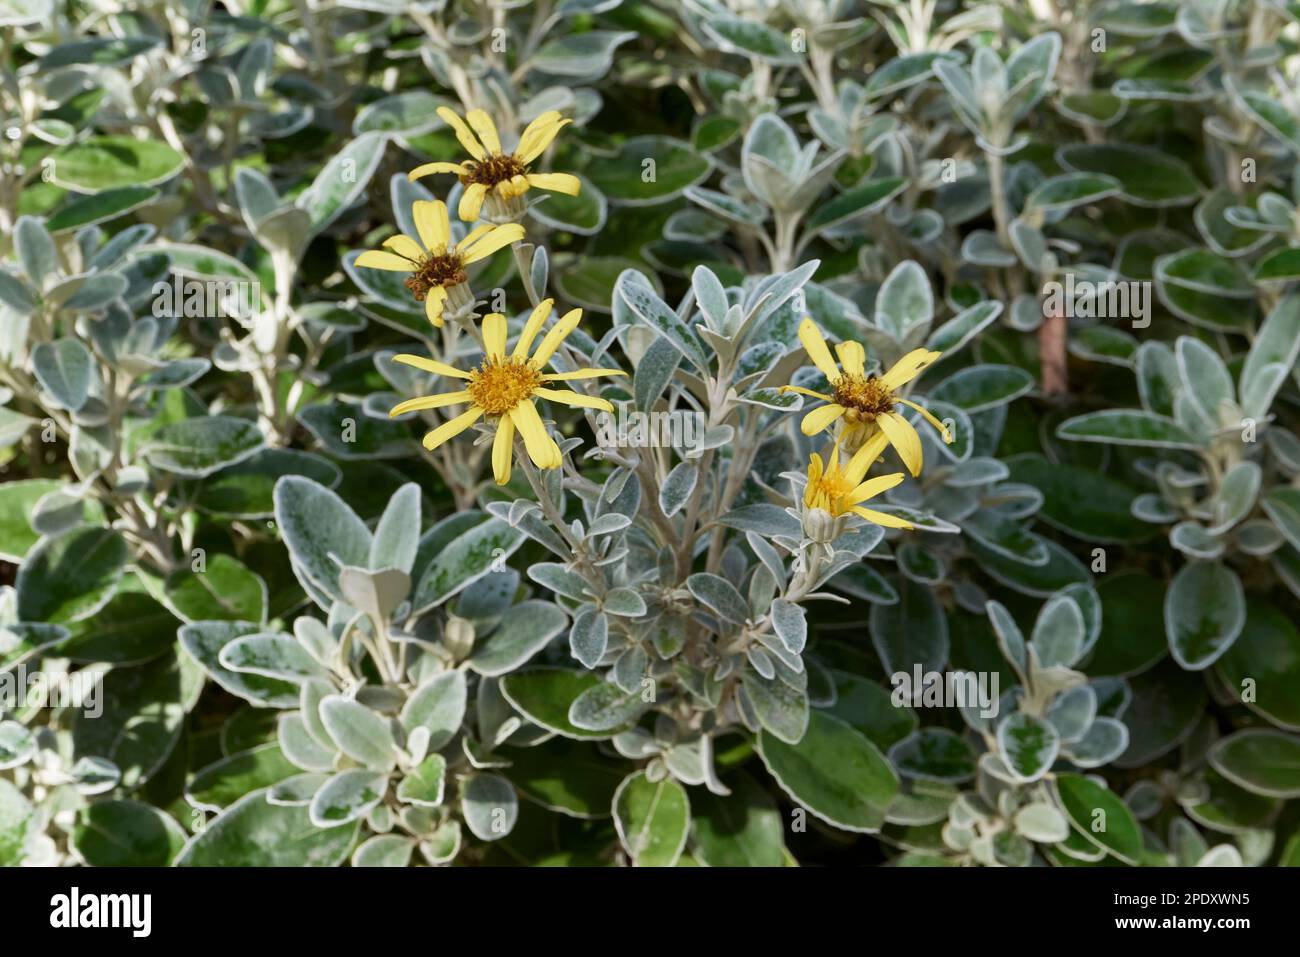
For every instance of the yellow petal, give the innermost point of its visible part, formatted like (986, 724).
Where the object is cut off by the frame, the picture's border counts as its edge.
(494, 335)
(378, 259)
(802, 391)
(454, 427)
(405, 246)
(864, 457)
(429, 169)
(435, 300)
(814, 343)
(820, 418)
(516, 185)
(852, 357)
(576, 399)
(471, 202)
(429, 402)
(485, 129)
(880, 518)
(541, 447)
(557, 334)
(903, 438)
(908, 368)
(565, 183)
(815, 467)
(502, 449)
(536, 319)
(472, 146)
(489, 242)
(430, 365)
(873, 487)
(929, 417)
(431, 220)
(580, 374)
(538, 136)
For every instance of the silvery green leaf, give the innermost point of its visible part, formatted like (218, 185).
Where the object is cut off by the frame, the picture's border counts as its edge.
(1035, 61)
(522, 634)
(384, 850)
(781, 708)
(653, 819)
(1238, 492)
(589, 54)
(720, 596)
(1127, 427)
(644, 303)
(438, 705)
(489, 806)
(1042, 823)
(300, 746)
(204, 641)
(397, 536)
(343, 179)
(17, 744)
(252, 832)
(424, 786)
(589, 636)
(35, 248)
(677, 487)
(711, 297)
(560, 579)
(95, 775)
(1276, 346)
(464, 560)
(791, 624)
(256, 194)
(271, 656)
(1058, 637)
(195, 448)
(359, 733)
(606, 707)
(1010, 638)
(653, 373)
(608, 524)
(835, 772)
(1206, 380)
(296, 791)
(65, 369)
(1028, 745)
(346, 797)
(442, 846)
(905, 300)
(1105, 741)
(752, 38)
(963, 327)
(981, 387)
(624, 602)
(1072, 712)
(1205, 611)
(69, 577)
(15, 294)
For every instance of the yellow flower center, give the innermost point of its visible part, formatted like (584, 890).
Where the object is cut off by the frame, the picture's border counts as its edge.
(439, 269)
(497, 168)
(498, 385)
(864, 397)
(828, 492)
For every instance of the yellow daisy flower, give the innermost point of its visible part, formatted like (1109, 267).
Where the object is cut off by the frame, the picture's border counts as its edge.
(841, 491)
(437, 268)
(866, 403)
(494, 175)
(504, 388)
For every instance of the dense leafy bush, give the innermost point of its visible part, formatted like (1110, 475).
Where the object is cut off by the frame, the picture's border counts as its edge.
(729, 432)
